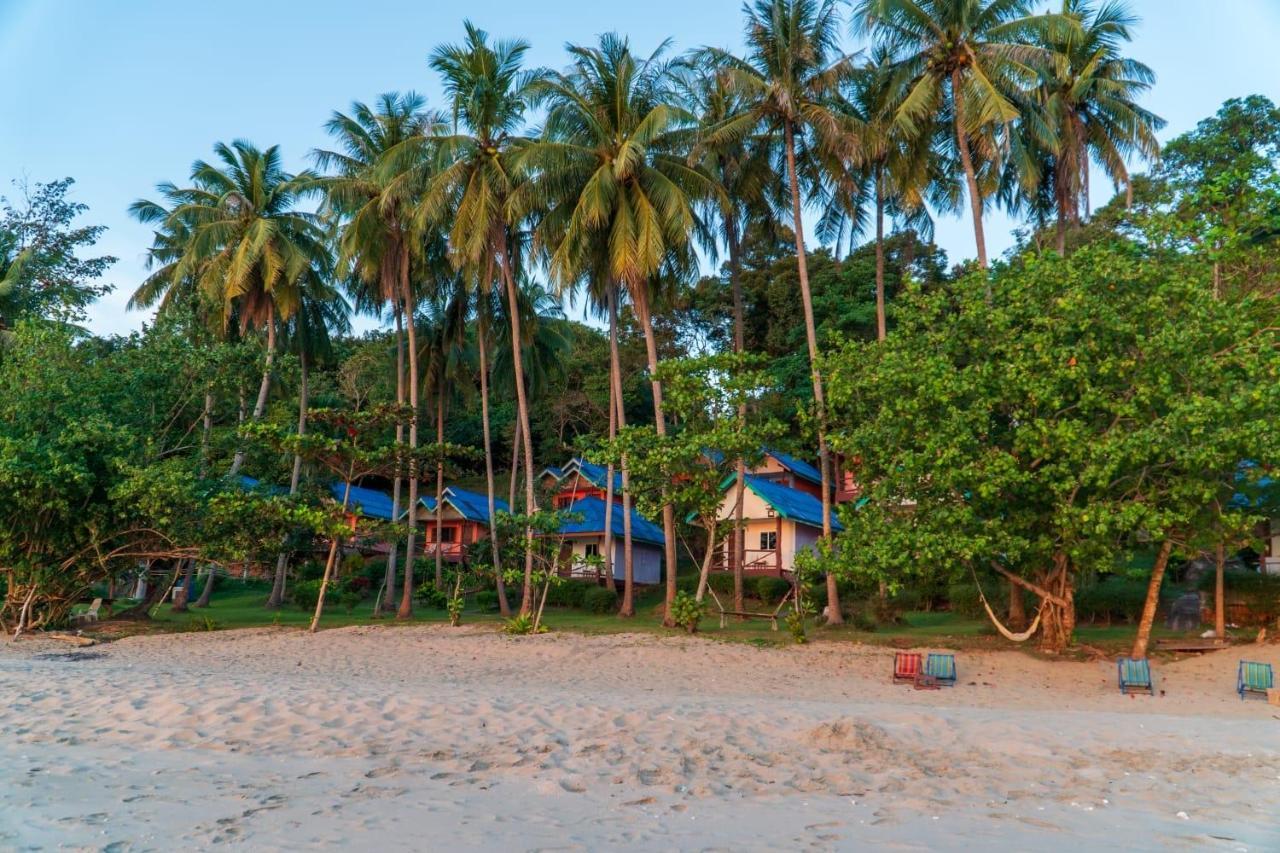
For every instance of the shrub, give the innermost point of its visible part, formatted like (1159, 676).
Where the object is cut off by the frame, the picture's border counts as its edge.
(568, 594)
(599, 599)
(722, 583)
(306, 593)
(907, 599)
(689, 583)
(349, 600)
(963, 597)
(518, 625)
(771, 590)
(487, 600)
(353, 564)
(1260, 593)
(311, 570)
(1113, 598)
(358, 585)
(687, 611)
(428, 596)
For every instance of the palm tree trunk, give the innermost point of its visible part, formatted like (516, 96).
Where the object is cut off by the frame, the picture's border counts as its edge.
(207, 430)
(333, 556)
(834, 616)
(970, 175)
(282, 559)
(881, 328)
(512, 478)
(613, 434)
(628, 607)
(387, 603)
(1153, 600)
(522, 405)
(640, 300)
(440, 475)
(1219, 594)
(738, 556)
(504, 607)
(411, 329)
(260, 406)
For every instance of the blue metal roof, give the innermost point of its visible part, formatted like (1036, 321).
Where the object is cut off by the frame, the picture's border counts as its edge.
(596, 475)
(371, 502)
(789, 503)
(592, 512)
(799, 467)
(473, 506)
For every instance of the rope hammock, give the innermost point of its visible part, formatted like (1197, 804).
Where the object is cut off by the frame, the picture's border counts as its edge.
(1005, 632)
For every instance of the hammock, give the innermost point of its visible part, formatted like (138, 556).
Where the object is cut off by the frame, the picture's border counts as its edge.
(1008, 635)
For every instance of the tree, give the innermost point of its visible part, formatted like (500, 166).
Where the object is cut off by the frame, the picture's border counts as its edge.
(1088, 407)
(475, 191)
(791, 82)
(622, 192)
(379, 177)
(41, 271)
(968, 59)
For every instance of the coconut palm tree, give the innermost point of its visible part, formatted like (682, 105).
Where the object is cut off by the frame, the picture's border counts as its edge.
(741, 169)
(613, 163)
(967, 59)
(1087, 103)
(372, 179)
(471, 194)
(791, 82)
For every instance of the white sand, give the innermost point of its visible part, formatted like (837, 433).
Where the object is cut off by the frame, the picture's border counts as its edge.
(431, 738)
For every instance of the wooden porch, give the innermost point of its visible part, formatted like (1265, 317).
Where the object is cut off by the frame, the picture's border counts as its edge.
(755, 562)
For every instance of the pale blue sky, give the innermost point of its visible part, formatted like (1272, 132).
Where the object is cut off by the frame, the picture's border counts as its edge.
(121, 94)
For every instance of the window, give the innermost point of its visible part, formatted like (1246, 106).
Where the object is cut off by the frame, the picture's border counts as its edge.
(592, 549)
(448, 534)
(769, 541)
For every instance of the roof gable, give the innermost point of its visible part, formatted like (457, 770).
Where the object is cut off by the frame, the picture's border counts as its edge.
(789, 503)
(592, 512)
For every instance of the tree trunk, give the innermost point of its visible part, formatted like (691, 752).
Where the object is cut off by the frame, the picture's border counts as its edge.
(970, 175)
(1153, 600)
(1219, 594)
(640, 300)
(628, 607)
(705, 574)
(613, 434)
(188, 581)
(834, 616)
(1017, 611)
(736, 547)
(1058, 614)
(387, 602)
(333, 558)
(260, 406)
(881, 328)
(207, 430)
(522, 405)
(411, 330)
(282, 559)
(512, 478)
(440, 476)
(504, 607)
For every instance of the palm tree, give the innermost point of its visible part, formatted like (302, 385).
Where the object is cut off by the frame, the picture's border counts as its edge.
(621, 189)
(1087, 99)
(741, 169)
(791, 82)
(967, 58)
(474, 186)
(372, 189)
(308, 334)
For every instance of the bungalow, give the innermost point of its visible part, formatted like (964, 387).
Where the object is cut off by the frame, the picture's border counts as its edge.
(464, 520)
(778, 521)
(580, 488)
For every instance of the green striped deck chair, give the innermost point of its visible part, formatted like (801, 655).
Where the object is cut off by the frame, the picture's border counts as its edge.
(1254, 678)
(941, 668)
(1135, 676)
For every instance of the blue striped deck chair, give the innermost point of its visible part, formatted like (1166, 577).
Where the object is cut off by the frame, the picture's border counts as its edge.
(1134, 676)
(941, 668)
(1253, 678)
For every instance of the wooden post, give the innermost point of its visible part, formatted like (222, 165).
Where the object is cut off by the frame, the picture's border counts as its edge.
(777, 545)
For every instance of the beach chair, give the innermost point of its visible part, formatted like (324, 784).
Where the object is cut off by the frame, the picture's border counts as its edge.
(1254, 678)
(941, 668)
(906, 666)
(1134, 676)
(90, 615)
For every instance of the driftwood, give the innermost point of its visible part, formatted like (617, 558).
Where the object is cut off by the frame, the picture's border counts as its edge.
(73, 639)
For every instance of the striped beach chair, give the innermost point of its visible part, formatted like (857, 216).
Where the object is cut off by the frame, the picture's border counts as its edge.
(906, 667)
(941, 668)
(1254, 678)
(1134, 676)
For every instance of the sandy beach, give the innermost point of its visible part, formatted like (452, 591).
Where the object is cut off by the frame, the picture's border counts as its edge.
(426, 738)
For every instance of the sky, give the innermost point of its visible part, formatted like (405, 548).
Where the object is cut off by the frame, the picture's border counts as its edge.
(123, 94)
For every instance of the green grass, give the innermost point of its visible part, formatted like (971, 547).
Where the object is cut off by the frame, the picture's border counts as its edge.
(239, 604)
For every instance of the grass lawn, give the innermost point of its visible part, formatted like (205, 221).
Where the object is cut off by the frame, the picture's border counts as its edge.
(238, 604)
